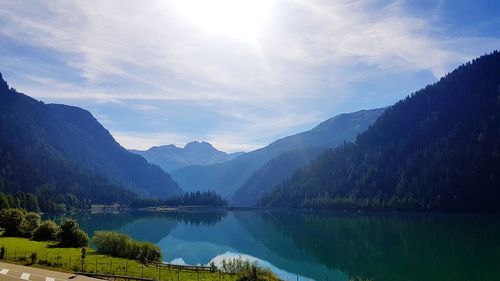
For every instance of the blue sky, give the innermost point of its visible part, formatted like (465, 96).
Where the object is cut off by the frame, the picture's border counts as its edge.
(236, 73)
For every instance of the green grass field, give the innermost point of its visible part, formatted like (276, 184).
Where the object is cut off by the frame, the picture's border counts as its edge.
(19, 250)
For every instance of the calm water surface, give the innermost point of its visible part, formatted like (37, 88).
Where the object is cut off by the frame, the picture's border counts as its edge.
(323, 246)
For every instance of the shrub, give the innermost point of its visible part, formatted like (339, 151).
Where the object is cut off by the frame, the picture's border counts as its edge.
(18, 223)
(81, 239)
(71, 236)
(11, 221)
(111, 243)
(121, 245)
(148, 251)
(246, 270)
(33, 257)
(46, 231)
(213, 267)
(30, 223)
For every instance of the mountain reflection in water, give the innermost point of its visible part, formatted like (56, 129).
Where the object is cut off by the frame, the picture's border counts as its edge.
(320, 245)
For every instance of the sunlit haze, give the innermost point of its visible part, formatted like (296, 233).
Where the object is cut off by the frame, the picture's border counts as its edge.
(240, 19)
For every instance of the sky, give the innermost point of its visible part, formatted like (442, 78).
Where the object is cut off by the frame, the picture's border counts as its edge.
(236, 73)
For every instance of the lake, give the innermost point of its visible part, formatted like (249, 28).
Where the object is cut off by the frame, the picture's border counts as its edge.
(323, 246)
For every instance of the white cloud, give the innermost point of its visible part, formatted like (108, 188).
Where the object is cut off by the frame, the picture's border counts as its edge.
(153, 45)
(307, 55)
(142, 141)
(240, 129)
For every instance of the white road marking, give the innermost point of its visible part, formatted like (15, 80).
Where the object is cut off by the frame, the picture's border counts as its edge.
(4, 271)
(25, 276)
(49, 279)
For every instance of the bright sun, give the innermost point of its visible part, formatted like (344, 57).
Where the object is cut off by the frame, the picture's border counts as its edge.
(242, 19)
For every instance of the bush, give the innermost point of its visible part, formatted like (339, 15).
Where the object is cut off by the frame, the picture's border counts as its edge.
(247, 271)
(30, 223)
(111, 243)
(11, 221)
(81, 239)
(147, 251)
(33, 257)
(19, 223)
(46, 231)
(71, 236)
(121, 245)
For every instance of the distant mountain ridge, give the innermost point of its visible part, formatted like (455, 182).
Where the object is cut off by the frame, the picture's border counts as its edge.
(171, 157)
(227, 177)
(437, 149)
(66, 148)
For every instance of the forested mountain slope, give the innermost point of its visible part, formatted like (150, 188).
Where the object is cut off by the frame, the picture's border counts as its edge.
(439, 149)
(64, 155)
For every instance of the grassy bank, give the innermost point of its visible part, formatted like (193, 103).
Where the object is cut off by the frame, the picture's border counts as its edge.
(20, 250)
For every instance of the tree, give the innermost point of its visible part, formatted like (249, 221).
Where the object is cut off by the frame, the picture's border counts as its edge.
(4, 202)
(71, 235)
(11, 221)
(46, 231)
(30, 223)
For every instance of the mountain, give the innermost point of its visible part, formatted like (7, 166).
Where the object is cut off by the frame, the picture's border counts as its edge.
(282, 166)
(227, 177)
(273, 173)
(437, 149)
(65, 151)
(171, 157)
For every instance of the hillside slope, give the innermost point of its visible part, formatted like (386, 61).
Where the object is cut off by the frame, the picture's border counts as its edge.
(438, 149)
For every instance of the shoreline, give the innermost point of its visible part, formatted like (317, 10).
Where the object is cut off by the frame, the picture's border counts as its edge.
(116, 208)
(198, 208)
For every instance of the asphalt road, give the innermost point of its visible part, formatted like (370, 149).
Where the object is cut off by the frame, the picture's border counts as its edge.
(14, 272)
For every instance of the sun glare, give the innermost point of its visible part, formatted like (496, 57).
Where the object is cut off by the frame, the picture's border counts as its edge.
(242, 19)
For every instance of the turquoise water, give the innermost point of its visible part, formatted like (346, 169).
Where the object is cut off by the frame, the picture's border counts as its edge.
(323, 246)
